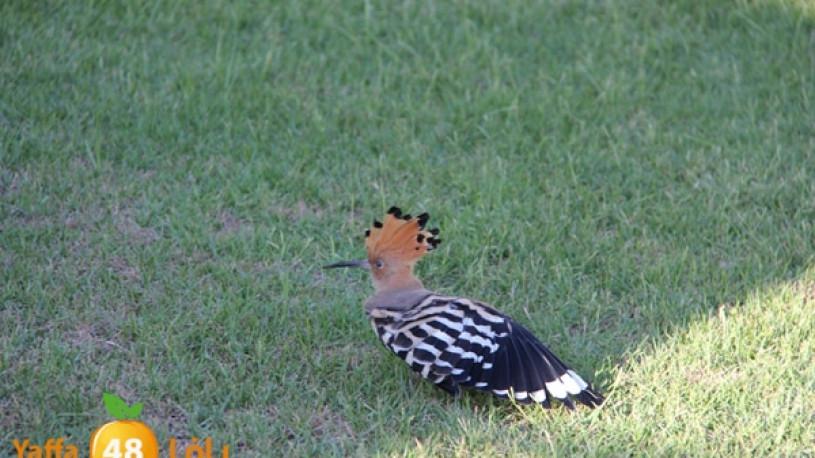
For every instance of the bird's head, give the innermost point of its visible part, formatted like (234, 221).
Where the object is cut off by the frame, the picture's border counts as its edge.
(393, 248)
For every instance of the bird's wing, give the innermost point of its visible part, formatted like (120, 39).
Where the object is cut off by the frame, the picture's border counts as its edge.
(453, 341)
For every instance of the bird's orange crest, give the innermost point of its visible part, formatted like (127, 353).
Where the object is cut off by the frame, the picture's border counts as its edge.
(400, 237)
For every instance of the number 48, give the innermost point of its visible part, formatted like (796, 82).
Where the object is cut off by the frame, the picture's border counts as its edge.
(132, 449)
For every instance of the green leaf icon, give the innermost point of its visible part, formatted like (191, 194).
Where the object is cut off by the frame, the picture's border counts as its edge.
(134, 410)
(119, 409)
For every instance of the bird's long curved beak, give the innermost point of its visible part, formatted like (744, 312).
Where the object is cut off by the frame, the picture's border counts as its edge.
(361, 264)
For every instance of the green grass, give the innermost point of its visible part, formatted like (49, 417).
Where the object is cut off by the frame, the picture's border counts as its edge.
(632, 180)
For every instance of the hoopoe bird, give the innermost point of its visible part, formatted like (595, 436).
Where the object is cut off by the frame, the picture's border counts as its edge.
(452, 341)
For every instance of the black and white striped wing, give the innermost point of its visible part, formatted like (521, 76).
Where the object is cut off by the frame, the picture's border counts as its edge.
(457, 342)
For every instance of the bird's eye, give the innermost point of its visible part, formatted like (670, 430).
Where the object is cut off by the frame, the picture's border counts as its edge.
(379, 264)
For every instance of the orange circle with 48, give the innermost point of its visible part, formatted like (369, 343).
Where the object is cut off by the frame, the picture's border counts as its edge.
(124, 439)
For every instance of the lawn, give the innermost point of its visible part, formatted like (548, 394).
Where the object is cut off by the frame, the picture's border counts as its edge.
(634, 181)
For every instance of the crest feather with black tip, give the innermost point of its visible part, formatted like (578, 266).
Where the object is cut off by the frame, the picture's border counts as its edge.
(400, 237)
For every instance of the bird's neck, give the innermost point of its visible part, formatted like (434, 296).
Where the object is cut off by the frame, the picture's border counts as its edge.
(397, 298)
(398, 279)
(399, 283)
